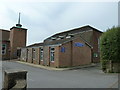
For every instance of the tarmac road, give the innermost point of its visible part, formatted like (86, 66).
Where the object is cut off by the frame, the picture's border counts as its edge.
(91, 77)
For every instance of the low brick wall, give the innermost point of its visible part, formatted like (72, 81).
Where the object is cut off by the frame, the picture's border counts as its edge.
(113, 67)
(14, 79)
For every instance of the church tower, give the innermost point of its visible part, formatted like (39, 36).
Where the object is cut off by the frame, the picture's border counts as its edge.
(17, 38)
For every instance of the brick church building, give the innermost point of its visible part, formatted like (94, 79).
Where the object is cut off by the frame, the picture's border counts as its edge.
(12, 40)
(79, 46)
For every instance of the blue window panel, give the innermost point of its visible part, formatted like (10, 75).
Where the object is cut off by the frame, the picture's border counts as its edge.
(62, 49)
(77, 44)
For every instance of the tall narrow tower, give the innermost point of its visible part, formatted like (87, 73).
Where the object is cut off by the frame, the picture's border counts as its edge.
(17, 38)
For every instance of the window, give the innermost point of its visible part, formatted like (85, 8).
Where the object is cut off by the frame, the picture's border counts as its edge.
(52, 54)
(95, 55)
(3, 49)
(68, 37)
(33, 54)
(18, 52)
(41, 54)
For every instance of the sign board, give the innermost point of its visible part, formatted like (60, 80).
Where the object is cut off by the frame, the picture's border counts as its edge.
(62, 49)
(78, 44)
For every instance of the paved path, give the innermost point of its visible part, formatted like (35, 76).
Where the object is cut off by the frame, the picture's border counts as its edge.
(91, 77)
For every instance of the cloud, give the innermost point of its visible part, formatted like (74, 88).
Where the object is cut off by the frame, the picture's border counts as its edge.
(44, 19)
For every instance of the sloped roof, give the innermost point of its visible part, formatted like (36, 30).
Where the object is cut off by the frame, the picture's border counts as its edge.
(81, 29)
(4, 30)
(84, 36)
(76, 30)
(35, 45)
(68, 40)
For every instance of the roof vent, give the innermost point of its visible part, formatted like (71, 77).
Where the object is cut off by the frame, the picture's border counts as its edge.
(62, 37)
(53, 38)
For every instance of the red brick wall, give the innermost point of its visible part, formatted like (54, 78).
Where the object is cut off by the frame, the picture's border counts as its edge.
(65, 57)
(4, 39)
(41, 62)
(46, 57)
(17, 39)
(96, 36)
(6, 56)
(36, 60)
(74, 56)
(5, 35)
(80, 55)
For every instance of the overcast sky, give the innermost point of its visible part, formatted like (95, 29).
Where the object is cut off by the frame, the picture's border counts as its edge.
(43, 19)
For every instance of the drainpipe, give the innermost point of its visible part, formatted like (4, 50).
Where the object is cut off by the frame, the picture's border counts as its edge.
(71, 53)
(92, 55)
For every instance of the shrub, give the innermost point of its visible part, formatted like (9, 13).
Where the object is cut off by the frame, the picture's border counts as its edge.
(110, 45)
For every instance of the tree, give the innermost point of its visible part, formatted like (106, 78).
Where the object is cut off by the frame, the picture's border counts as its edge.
(110, 45)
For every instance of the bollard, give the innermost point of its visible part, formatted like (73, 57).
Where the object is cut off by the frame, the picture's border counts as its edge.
(14, 79)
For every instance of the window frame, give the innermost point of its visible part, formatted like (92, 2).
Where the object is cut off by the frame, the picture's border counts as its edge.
(33, 53)
(4, 49)
(95, 55)
(41, 55)
(52, 52)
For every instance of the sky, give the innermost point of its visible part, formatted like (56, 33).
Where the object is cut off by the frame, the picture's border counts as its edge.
(45, 18)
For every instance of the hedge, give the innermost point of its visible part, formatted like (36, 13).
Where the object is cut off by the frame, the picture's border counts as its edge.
(110, 45)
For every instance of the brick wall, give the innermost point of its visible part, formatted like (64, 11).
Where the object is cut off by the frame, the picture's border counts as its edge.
(17, 39)
(80, 55)
(6, 56)
(73, 55)
(4, 39)
(5, 35)
(96, 36)
(30, 55)
(36, 59)
(65, 57)
(46, 57)
(23, 54)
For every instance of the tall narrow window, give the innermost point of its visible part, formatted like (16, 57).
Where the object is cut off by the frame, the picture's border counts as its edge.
(27, 54)
(41, 54)
(52, 54)
(3, 49)
(95, 55)
(33, 54)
